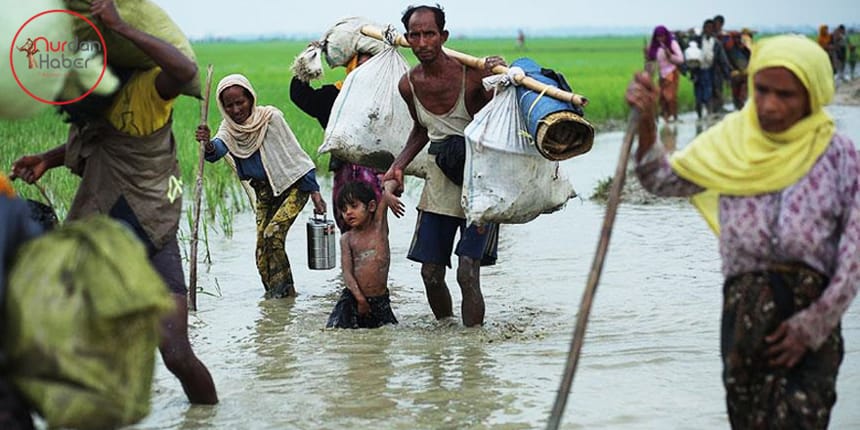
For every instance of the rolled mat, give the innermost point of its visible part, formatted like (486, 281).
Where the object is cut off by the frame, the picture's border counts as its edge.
(558, 128)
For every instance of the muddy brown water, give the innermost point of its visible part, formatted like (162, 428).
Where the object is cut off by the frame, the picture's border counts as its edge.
(650, 360)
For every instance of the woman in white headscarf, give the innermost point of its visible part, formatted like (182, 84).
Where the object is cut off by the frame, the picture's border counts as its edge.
(781, 189)
(267, 154)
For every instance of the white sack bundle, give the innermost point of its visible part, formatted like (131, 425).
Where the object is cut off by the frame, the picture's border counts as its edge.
(506, 180)
(344, 41)
(339, 44)
(369, 121)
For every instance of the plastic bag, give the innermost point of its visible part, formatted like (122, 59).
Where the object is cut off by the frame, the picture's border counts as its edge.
(369, 121)
(82, 324)
(507, 181)
(693, 55)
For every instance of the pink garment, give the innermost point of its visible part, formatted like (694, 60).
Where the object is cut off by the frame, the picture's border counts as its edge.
(816, 221)
(669, 59)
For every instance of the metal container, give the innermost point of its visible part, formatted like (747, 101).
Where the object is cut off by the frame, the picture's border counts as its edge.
(321, 243)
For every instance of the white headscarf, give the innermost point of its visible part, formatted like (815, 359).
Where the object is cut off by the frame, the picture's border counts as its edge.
(265, 130)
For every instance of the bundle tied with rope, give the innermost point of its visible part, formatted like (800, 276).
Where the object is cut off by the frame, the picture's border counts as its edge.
(558, 127)
(370, 122)
(506, 180)
(340, 44)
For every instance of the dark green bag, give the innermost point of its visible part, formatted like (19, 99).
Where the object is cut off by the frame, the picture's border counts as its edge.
(83, 308)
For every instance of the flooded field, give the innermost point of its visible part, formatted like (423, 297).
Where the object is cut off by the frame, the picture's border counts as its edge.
(651, 357)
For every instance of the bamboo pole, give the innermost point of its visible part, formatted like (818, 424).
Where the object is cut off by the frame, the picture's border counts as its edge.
(198, 197)
(594, 274)
(478, 63)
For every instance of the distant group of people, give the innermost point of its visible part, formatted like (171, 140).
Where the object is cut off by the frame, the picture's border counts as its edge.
(841, 50)
(710, 58)
(714, 56)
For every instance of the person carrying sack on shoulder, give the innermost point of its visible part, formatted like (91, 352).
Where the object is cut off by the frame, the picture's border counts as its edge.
(442, 96)
(123, 148)
(318, 103)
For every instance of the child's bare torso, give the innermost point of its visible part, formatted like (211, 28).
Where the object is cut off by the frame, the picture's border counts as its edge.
(371, 257)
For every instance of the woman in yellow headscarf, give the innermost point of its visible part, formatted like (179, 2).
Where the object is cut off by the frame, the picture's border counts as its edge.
(780, 189)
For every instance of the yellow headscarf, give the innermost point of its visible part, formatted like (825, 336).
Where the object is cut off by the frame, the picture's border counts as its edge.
(736, 157)
(6, 186)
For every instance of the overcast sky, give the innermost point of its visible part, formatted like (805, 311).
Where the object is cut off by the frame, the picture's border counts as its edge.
(203, 18)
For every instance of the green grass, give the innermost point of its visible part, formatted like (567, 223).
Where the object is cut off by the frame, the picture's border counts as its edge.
(597, 67)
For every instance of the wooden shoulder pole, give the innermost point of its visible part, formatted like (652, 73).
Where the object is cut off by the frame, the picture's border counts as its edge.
(478, 63)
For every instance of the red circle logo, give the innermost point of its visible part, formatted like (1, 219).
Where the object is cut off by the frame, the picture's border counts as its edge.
(30, 48)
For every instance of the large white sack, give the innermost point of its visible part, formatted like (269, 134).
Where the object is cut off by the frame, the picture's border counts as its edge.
(370, 122)
(506, 180)
(54, 27)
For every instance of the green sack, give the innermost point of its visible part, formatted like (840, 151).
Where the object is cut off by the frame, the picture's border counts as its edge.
(83, 309)
(143, 15)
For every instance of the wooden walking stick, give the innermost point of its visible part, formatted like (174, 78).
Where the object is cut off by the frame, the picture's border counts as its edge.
(594, 274)
(198, 197)
(478, 63)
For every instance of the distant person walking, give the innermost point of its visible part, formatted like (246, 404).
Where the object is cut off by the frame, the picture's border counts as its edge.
(666, 52)
(839, 41)
(718, 101)
(521, 40)
(123, 148)
(825, 41)
(713, 61)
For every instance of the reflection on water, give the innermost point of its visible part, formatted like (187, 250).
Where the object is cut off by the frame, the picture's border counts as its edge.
(650, 360)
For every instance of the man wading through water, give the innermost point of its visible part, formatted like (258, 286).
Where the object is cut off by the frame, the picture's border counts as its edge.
(124, 151)
(442, 96)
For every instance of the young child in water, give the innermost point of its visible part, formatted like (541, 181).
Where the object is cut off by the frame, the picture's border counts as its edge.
(365, 256)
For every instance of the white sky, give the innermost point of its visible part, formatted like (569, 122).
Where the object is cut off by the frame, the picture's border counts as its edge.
(202, 18)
